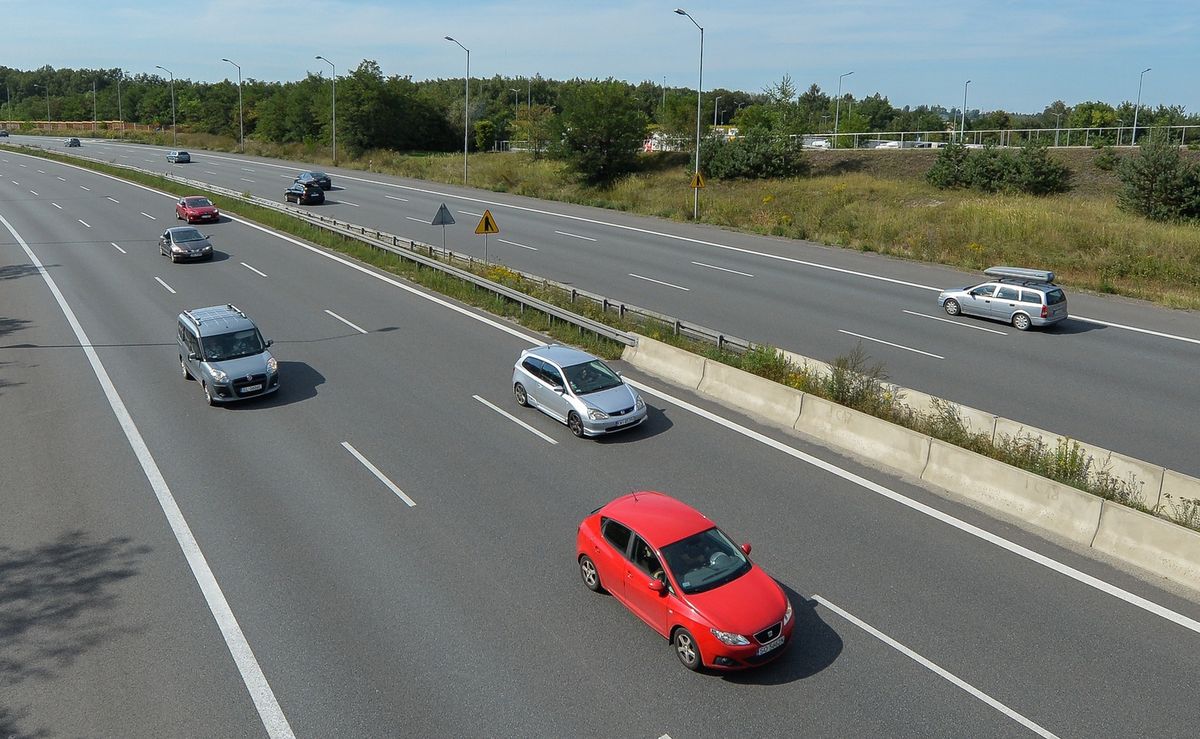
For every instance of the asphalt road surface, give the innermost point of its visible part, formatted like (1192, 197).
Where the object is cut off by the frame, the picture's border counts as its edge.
(170, 569)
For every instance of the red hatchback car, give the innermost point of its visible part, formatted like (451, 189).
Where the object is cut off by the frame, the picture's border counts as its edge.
(195, 208)
(679, 573)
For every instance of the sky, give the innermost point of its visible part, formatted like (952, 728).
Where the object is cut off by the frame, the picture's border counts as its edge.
(1019, 56)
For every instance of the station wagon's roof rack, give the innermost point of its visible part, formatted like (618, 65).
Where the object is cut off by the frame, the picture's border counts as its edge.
(1020, 274)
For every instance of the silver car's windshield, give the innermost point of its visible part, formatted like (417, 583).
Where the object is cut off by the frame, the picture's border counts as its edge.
(705, 561)
(235, 344)
(591, 377)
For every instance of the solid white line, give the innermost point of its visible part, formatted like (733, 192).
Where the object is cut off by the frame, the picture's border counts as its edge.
(118, 248)
(56, 205)
(513, 243)
(113, 199)
(955, 323)
(574, 236)
(375, 471)
(418, 220)
(345, 202)
(81, 187)
(148, 215)
(1159, 334)
(261, 274)
(660, 282)
(515, 420)
(939, 671)
(169, 288)
(260, 691)
(898, 346)
(723, 269)
(85, 223)
(390, 197)
(348, 323)
(1093, 582)
(469, 213)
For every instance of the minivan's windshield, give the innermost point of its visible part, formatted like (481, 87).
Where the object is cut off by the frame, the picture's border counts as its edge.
(591, 377)
(705, 561)
(235, 344)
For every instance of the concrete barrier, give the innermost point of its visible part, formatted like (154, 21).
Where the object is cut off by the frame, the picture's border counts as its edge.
(752, 394)
(976, 421)
(865, 435)
(1178, 485)
(1055, 507)
(823, 369)
(1151, 543)
(663, 360)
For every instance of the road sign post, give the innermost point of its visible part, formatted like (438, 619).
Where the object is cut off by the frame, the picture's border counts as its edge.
(443, 219)
(697, 186)
(487, 225)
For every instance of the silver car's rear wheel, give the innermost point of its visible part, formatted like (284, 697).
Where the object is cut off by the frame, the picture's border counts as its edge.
(952, 307)
(520, 394)
(575, 423)
(1021, 322)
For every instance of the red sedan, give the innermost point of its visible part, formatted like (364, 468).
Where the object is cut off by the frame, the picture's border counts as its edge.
(196, 208)
(673, 568)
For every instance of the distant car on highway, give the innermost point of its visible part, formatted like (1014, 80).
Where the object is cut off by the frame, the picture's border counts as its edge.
(576, 388)
(1015, 295)
(179, 157)
(3, 133)
(319, 178)
(196, 208)
(183, 243)
(72, 142)
(668, 563)
(222, 348)
(304, 193)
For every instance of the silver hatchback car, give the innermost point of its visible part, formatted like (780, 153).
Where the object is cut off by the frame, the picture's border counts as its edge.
(1018, 296)
(577, 389)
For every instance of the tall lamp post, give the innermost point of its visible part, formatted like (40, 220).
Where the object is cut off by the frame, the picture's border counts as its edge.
(333, 125)
(241, 126)
(46, 87)
(93, 105)
(173, 135)
(699, 89)
(466, 105)
(1057, 126)
(120, 113)
(715, 104)
(1133, 140)
(837, 110)
(962, 131)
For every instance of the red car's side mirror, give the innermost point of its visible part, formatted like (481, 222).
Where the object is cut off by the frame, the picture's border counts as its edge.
(656, 585)
(746, 548)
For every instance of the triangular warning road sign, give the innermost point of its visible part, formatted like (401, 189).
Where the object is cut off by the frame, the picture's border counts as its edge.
(487, 224)
(443, 217)
(697, 181)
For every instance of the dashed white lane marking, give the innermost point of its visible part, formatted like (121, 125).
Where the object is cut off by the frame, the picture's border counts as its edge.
(56, 205)
(939, 671)
(574, 236)
(207, 172)
(660, 282)
(888, 343)
(243, 179)
(41, 171)
(418, 220)
(63, 179)
(81, 187)
(20, 165)
(390, 197)
(124, 156)
(513, 243)
(148, 215)
(269, 711)
(260, 274)
(515, 420)
(348, 323)
(33, 192)
(346, 202)
(955, 323)
(247, 169)
(148, 160)
(118, 248)
(113, 199)
(85, 223)
(381, 477)
(469, 213)
(722, 269)
(169, 288)
(18, 184)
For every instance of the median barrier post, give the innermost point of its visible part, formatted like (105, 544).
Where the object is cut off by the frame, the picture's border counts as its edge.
(1159, 546)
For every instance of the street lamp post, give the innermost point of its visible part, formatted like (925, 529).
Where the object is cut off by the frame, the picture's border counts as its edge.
(699, 89)
(174, 138)
(241, 126)
(466, 105)
(120, 113)
(838, 108)
(46, 87)
(1057, 126)
(333, 124)
(715, 103)
(962, 132)
(516, 102)
(93, 105)
(1133, 139)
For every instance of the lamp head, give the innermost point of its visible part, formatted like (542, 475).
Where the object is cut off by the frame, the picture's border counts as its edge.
(681, 11)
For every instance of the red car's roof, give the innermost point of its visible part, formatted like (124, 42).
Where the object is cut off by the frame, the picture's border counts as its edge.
(659, 518)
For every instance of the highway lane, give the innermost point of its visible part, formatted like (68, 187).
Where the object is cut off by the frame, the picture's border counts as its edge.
(462, 615)
(1071, 380)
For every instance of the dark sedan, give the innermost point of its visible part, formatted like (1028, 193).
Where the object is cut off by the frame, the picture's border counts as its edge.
(318, 178)
(184, 242)
(304, 194)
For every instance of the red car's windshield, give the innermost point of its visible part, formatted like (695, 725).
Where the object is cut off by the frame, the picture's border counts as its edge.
(705, 561)
(197, 202)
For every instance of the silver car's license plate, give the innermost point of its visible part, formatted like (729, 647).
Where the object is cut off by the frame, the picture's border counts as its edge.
(773, 644)
(251, 388)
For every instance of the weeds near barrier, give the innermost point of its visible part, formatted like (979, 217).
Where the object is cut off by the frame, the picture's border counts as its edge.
(1183, 511)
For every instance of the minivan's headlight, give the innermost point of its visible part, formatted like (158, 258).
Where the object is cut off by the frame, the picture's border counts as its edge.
(730, 638)
(272, 365)
(640, 404)
(787, 615)
(218, 375)
(596, 414)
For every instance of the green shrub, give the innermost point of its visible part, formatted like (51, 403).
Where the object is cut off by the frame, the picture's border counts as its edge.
(757, 155)
(1107, 159)
(1159, 184)
(949, 169)
(990, 170)
(1031, 171)
(1037, 174)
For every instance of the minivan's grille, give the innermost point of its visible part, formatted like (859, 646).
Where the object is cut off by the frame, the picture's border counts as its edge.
(246, 380)
(769, 633)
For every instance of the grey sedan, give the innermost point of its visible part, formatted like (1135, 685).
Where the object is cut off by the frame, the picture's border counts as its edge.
(184, 242)
(577, 389)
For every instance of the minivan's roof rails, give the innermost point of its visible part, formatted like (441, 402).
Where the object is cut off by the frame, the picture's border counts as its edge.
(1020, 273)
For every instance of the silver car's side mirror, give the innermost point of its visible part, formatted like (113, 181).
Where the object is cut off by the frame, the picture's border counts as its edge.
(193, 356)
(270, 342)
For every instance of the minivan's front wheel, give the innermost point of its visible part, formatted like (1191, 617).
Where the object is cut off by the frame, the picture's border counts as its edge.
(208, 394)
(575, 423)
(183, 367)
(1021, 322)
(520, 394)
(686, 649)
(952, 307)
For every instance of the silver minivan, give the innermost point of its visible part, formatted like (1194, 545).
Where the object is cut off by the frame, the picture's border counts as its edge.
(1018, 296)
(577, 389)
(220, 347)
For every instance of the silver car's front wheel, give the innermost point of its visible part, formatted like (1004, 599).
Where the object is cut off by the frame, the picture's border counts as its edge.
(575, 423)
(952, 307)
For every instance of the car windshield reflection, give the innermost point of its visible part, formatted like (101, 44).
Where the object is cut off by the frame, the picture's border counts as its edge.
(591, 377)
(705, 561)
(233, 345)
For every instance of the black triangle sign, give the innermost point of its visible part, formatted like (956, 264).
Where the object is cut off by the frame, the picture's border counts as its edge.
(443, 217)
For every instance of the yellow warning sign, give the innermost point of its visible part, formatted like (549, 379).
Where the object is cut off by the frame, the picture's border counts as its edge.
(697, 181)
(487, 224)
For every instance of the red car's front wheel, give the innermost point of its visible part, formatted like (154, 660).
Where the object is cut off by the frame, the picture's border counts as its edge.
(686, 649)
